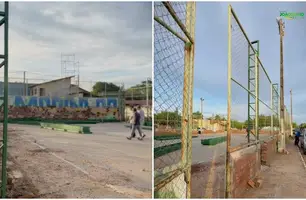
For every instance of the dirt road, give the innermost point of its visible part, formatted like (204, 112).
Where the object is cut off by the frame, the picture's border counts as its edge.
(101, 165)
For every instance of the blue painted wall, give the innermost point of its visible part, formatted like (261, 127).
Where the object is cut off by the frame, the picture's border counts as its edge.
(72, 102)
(14, 88)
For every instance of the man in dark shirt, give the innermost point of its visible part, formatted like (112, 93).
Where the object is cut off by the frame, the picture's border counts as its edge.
(297, 137)
(136, 126)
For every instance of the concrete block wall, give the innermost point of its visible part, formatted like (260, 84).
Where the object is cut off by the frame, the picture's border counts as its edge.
(61, 113)
(268, 151)
(245, 164)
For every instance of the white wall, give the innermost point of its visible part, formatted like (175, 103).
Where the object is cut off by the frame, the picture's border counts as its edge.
(58, 88)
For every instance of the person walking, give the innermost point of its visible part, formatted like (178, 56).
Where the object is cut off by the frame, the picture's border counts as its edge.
(142, 117)
(136, 125)
(131, 121)
(297, 137)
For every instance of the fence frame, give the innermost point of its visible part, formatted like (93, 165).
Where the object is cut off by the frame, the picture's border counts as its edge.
(184, 166)
(274, 98)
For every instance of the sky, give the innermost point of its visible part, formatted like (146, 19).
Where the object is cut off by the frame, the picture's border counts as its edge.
(112, 41)
(259, 21)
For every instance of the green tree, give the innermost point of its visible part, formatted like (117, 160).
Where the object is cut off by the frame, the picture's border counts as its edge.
(236, 124)
(139, 91)
(294, 125)
(172, 119)
(218, 117)
(197, 115)
(303, 125)
(101, 87)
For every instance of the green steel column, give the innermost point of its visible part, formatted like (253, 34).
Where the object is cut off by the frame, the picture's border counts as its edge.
(252, 87)
(5, 113)
(258, 81)
(249, 87)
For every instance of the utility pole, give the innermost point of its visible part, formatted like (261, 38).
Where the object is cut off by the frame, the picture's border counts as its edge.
(202, 117)
(281, 26)
(291, 128)
(147, 93)
(147, 96)
(24, 83)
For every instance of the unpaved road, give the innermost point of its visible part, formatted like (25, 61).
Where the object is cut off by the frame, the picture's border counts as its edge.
(100, 165)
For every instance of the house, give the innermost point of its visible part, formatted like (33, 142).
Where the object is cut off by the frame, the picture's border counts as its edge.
(59, 87)
(82, 92)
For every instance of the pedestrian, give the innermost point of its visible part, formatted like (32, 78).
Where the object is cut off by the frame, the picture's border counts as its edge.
(297, 137)
(247, 131)
(142, 117)
(136, 125)
(131, 121)
(199, 130)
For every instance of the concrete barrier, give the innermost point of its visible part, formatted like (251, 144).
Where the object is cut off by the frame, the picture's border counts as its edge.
(245, 165)
(268, 151)
(163, 150)
(170, 137)
(213, 141)
(68, 128)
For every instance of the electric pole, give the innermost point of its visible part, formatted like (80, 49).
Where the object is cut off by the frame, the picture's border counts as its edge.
(147, 96)
(291, 128)
(281, 26)
(24, 84)
(202, 117)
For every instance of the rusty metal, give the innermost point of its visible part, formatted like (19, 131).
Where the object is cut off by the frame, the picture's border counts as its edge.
(237, 148)
(178, 21)
(166, 26)
(160, 184)
(229, 102)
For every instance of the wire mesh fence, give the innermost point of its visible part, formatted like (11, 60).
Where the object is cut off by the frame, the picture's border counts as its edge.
(252, 107)
(253, 100)
(173, 90)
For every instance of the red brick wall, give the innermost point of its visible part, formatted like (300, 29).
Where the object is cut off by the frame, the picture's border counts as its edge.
(245, 166)
(268, 151)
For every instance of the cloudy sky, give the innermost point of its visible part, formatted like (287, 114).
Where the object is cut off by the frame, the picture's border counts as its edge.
(259, 22)
(112, 41)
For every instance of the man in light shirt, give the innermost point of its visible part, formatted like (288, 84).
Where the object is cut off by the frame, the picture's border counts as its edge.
(142, 117)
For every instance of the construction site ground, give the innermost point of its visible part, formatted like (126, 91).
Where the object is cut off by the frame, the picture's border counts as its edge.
(284, 178)
(53, 164)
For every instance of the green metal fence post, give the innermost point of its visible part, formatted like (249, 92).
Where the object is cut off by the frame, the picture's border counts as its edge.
(5, 113)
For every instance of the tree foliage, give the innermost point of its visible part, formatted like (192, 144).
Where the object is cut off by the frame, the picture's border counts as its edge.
(197, 115)
(139, 91)
(172, 119)
(101, 87)
(294, 125)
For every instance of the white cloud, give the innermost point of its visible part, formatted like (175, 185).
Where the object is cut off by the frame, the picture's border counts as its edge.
(112, 41)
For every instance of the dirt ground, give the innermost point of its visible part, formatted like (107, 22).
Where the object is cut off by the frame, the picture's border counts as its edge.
(285, 178)
(67, 165)
(208, 179)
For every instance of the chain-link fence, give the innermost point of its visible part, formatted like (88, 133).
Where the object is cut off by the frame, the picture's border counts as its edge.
(251, 108)
(253, 102)
(173, 91)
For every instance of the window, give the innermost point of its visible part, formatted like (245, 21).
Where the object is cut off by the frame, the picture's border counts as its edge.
(42, 92)
(35, 91)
